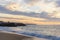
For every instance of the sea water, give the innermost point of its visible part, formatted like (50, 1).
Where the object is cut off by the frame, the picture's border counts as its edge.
(43, 31)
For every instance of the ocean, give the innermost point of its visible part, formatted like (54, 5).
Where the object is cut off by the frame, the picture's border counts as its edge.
(50, 32)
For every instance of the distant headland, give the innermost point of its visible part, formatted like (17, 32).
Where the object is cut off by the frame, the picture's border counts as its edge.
(11, 24)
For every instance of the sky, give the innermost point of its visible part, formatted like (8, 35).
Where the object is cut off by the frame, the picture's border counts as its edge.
(52, 7)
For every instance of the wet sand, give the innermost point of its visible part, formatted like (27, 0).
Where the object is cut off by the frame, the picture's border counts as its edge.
(9, 36)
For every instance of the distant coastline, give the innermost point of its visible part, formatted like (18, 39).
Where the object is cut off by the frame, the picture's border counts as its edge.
(30, 21)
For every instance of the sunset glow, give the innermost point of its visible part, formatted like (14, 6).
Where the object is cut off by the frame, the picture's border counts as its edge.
(43, 8)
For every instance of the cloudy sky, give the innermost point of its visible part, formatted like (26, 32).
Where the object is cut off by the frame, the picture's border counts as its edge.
(52, 7)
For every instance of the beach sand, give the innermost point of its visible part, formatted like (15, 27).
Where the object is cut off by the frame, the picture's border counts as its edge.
(9, 36)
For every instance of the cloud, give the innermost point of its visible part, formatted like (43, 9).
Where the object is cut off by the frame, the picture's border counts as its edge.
(56, 13)
(13, 6)
(38, 6)
(52, 7)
